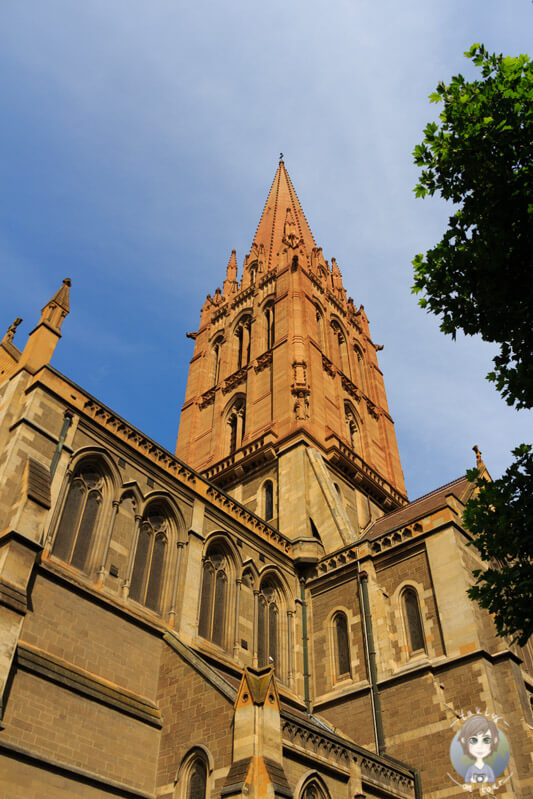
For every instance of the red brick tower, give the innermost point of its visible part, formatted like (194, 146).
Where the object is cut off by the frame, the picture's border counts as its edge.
(285, 405)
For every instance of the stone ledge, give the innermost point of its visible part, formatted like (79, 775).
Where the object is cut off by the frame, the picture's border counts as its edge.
(13, 597)
(70, 676)
(73, 772)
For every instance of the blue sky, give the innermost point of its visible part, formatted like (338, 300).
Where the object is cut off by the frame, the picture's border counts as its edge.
(138, 144)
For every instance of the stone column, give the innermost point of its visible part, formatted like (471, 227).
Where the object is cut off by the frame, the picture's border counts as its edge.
(127, 581)
(101, 570)
(172, 612)
(238, 583)
(256, 626)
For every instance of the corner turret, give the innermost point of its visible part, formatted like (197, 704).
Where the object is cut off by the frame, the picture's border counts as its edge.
(43, 339)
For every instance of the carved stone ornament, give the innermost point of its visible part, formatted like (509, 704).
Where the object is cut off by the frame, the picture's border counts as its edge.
(11, 330)
(328, 366)
(234, 380)
(299, 371)
(207, 398)
(290, 233)
(351, 389)
(373, 409)
(301, 406)
(263, 361)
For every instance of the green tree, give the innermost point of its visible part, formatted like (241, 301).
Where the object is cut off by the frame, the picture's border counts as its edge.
(479, 279)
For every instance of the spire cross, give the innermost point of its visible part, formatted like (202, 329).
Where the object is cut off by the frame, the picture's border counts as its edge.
(280, 157)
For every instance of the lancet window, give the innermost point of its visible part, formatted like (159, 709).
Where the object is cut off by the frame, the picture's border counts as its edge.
(413, 620)
(268, 626)
(268, 497)
(359, 369)
(313, 790)
(213, 598)
(320, 329)
(352, 428)
(80, 516)
(196, 788)
(150, 555)
(342, 348)
(217, 354)
(193, 777)
(242, 334)
(236, 421)
(341, 646)
(269, 326)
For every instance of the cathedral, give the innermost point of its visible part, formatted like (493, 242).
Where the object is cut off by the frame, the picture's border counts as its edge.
(263, 613)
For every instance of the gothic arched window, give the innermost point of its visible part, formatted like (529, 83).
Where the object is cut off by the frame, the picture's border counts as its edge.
(194, 776)
(269, 325)
(360, 370)
(341, 645)
(149, 564)
(268, 491)
(320, 327)
(80, 515)
(236, 421)
(352, 428)
(268, 626)
(217, 352)
(213, 599)
(313, 790)
(244, 340)
(413, 620)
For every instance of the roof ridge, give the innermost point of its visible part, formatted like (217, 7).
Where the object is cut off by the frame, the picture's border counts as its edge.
(292, 192)
(278, 173)
(444, 485)
(265, 206)
(419, 499)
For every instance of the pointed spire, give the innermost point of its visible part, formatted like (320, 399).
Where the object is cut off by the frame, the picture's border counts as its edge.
(283, 223)
(43, 339)
(230, 284)
(58, 307)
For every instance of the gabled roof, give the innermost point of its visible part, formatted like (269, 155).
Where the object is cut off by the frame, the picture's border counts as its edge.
(282, 216)
(428, 503)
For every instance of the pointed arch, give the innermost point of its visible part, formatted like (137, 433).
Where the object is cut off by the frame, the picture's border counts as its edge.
(353, 428)
(150, 562)
(313, 787)
(216, 358)
(269, 324)
(268, 500)
(235, 423)
(242, 332)
(218, 569)
(194, 777)
(341, 347)
(359, 376)
(272, 623)
(341, 645)
(320, 328)
(412, 618)
(87, 498)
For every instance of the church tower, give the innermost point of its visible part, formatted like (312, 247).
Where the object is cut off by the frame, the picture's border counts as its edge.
(285, 405)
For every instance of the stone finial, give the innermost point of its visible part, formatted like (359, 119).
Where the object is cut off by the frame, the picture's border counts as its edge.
(479, 459)
(57, 308)
(231, 272)
(230, 283)
(11, 330)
